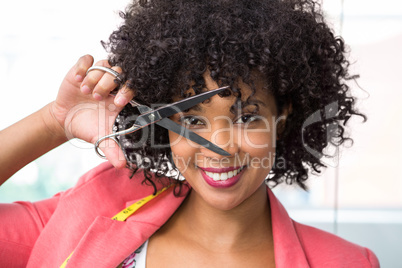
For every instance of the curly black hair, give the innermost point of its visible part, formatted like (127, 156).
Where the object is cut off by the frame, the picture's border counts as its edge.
(165, 46)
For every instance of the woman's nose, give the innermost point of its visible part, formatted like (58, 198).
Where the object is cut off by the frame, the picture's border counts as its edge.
(224, 137)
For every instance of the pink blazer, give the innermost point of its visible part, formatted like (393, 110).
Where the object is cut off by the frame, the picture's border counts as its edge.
(44, 233)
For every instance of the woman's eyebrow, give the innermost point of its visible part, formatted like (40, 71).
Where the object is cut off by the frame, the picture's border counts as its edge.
(196, 108)
(256, 102)
(199, 108)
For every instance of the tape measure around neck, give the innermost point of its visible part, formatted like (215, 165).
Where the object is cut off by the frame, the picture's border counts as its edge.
(125, 213)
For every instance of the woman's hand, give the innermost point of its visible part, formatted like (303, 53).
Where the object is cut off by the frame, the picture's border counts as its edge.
(84, 109)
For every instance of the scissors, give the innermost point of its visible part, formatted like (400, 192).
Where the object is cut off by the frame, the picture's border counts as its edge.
(160, 116)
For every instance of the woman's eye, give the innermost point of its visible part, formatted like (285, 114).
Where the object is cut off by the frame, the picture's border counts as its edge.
(191, 121)
(246, 118)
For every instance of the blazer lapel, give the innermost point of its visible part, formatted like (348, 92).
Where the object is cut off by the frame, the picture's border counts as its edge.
(288, 250)
(107, 242)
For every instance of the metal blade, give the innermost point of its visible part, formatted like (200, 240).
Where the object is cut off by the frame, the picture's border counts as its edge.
(187, 103)
(188, 134)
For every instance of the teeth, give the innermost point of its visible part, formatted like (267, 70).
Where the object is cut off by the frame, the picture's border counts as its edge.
(223, 176)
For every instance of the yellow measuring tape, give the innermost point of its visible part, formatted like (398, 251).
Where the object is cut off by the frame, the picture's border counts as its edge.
(125, 213)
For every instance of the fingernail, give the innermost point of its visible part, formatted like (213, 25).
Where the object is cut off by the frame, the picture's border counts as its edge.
(79, 78)
(120, 101)
(85, 89)
(98, 97)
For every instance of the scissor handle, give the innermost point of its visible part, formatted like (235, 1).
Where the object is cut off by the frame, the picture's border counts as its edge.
(105, 69)
(97, 143)
(113, 137)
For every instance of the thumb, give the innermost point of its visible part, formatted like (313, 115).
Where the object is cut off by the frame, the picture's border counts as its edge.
(113, 153)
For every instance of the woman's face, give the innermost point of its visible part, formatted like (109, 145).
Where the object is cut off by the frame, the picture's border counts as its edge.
(224, 182)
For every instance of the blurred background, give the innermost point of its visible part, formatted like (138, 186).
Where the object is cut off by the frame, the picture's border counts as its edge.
(358, 197)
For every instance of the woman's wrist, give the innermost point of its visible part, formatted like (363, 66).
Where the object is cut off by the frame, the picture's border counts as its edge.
(53, 127)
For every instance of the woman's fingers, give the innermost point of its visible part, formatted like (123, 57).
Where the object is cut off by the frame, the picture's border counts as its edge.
(123, 96)
(100, 83)
(106, 84)
(92, 78)
(81, 67)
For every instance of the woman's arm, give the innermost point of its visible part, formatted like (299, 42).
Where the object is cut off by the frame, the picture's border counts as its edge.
(28, 139)
(83, 109)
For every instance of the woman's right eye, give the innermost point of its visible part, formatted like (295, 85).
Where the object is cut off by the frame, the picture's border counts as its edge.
(191, 121)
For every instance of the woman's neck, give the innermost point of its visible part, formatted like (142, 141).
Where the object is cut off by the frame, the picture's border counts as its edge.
(243, 227)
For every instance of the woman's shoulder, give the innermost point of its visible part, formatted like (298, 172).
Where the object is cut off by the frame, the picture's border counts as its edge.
(103, 170)
(107, 181)
(323, 248)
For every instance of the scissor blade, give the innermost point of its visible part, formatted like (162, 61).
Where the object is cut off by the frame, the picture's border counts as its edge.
(187, 103)
(188, 134)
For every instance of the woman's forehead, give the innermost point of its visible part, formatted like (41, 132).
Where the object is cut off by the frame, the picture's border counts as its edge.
(256, 95)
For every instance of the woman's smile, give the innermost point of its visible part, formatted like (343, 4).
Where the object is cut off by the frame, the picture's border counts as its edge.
(222, 177)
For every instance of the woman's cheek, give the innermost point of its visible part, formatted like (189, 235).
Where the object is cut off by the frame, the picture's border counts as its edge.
(182, 152)
(261, 149)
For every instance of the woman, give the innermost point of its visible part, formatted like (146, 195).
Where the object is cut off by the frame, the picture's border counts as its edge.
(282, 64)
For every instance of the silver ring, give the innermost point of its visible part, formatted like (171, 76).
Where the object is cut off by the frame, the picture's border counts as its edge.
(105, 69)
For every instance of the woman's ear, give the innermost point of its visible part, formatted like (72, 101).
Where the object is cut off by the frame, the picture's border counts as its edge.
(281, 120)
